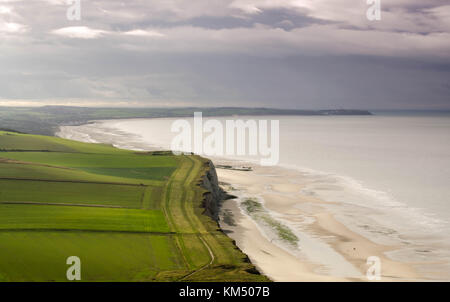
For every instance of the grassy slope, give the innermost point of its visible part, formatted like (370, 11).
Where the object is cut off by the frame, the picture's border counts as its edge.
(129, 216)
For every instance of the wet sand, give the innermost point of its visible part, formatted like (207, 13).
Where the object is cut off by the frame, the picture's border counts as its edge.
(346, 251)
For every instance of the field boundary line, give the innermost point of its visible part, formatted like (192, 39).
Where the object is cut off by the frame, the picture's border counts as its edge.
(66, 204)
(91, 231)
(76, 181)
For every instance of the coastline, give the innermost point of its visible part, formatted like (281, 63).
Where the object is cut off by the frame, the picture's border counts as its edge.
(328, 249)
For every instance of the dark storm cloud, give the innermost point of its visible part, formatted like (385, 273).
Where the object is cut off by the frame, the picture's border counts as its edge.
(278, 53)
(282, 18)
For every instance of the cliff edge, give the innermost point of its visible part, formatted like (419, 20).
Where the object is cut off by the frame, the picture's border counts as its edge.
(214, 195)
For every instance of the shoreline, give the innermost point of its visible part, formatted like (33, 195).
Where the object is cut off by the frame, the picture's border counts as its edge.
(328, 249)
(350, 249)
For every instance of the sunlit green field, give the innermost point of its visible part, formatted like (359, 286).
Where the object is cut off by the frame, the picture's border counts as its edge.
(27, 217)
(128, 216)
(71, 193)
(41, 256)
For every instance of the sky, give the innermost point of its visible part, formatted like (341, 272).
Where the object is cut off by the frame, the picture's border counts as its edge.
(300, 54)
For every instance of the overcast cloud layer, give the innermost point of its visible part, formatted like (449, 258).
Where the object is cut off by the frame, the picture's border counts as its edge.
(275, 53)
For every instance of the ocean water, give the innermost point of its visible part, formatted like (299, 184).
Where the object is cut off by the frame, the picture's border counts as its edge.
(400, 162)
(388, 174)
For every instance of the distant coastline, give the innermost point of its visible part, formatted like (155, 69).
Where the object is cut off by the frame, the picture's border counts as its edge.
(47, 120)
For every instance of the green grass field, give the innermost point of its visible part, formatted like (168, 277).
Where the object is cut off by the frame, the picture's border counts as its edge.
(129, 216)
(71, 193)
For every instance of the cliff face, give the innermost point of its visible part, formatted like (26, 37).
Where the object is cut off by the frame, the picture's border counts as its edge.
(214, 195)
(211, 203)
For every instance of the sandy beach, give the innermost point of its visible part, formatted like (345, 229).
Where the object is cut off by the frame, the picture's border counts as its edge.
(328, 238)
